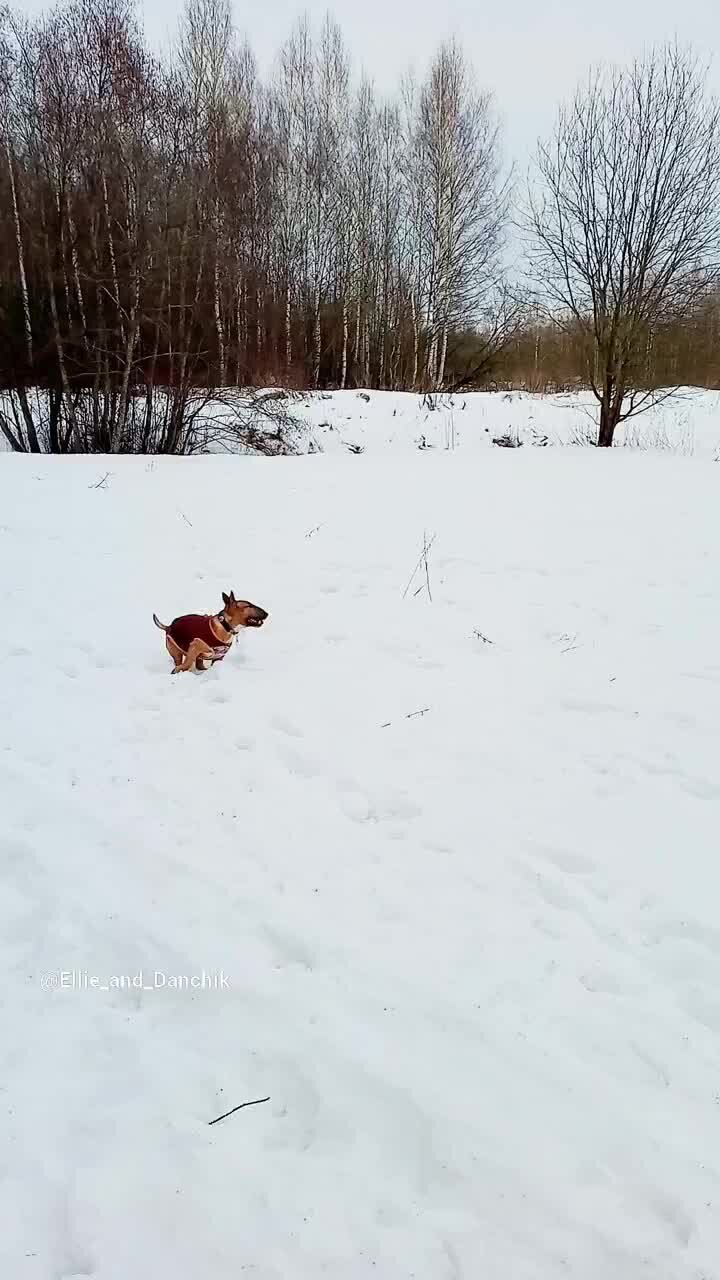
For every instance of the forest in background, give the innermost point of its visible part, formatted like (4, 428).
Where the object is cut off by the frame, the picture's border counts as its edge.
(180, 223)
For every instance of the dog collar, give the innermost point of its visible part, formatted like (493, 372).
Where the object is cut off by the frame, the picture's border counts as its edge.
(224, 623)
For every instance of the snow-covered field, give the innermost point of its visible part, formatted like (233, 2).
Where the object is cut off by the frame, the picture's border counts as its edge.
(453, 863)
(685, 422)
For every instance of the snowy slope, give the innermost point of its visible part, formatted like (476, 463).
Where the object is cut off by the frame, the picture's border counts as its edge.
(472, 955)
(686, 423)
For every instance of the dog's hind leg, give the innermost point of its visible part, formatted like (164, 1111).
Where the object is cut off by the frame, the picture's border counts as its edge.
(175, 652)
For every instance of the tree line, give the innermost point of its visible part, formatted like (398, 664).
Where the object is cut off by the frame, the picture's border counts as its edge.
(544, 356)
(179, 224)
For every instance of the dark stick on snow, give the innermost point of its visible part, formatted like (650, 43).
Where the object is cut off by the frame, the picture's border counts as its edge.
(101, 483)
(182, 513)
(254, 1103)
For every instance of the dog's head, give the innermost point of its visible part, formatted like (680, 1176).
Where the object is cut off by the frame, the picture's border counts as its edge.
(241, 613)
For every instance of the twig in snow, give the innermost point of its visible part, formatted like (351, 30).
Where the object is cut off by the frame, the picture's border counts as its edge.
(409, 716)
(427, 567)
(571, 642)
(479, 635)
(239, 1107)
(422, 560)
(310, 532)
(182, 513)
(102, 483)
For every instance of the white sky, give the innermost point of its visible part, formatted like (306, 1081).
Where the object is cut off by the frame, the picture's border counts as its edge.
(530, 53)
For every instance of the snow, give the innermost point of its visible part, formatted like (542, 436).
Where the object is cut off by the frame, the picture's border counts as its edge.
(472, 955)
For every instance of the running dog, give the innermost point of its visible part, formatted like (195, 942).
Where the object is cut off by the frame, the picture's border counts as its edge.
(196, 640)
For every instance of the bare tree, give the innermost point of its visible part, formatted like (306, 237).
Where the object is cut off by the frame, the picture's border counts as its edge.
(625, 221)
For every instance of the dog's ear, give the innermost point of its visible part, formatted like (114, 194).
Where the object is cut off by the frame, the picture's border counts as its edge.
(226, 598)
(232, 598)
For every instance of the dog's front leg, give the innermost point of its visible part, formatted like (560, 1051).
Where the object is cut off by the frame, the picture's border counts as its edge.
(197, 649)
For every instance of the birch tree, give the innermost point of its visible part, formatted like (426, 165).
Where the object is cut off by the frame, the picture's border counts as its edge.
(465, 201)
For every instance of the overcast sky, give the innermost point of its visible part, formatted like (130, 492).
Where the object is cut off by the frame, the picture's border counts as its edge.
(531, 53)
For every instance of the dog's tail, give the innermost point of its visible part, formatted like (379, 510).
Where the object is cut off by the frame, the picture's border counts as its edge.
(158, 623)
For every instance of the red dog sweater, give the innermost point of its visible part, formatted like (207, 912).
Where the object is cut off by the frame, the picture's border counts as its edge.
(196, 626)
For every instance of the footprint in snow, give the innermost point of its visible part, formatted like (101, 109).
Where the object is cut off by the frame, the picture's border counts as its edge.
(701, 935)
(360, 806)
(703, 1008)
(576, 864)
(599, 982)
(289, 949)
(297, 763)
(287, 726)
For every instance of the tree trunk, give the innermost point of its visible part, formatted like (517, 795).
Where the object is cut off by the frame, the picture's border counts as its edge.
(356, 345)
(72, 229)
(416, 342)
(238, 329)
(343, 370)
(21, 266)
(113, 262)
(317, 342)
(59, 445)
(118, 442)
(288, 330)
(443, 353)
(610, 410)
(14, 439)
(219, 320)
(431, 361)
(259, 312)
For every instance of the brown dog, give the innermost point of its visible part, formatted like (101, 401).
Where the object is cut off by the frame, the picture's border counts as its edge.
(198, 640)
